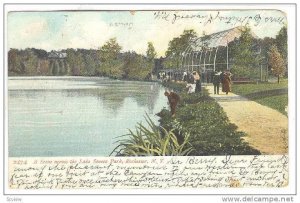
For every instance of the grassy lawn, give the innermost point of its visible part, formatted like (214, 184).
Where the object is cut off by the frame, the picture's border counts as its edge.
(277, 102)
(244, 89)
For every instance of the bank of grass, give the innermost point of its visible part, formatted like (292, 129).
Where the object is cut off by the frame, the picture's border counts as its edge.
(200, 128)
(244, 89)
(277, 102)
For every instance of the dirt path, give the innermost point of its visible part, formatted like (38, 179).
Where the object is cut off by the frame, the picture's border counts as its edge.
(266, 128)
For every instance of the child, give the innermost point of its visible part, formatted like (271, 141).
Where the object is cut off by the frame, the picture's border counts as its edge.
(191, 88)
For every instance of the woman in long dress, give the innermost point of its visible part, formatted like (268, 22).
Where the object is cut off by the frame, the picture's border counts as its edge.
(197, 81)
(227, 83)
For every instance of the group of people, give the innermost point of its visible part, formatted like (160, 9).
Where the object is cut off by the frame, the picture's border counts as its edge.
(225, 79)
(194, 86)
(174, 98)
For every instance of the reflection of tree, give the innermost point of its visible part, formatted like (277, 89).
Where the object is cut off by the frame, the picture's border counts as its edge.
(28, 94)
(109, 93)
(148, 96)
(110, 99)
(112, 95)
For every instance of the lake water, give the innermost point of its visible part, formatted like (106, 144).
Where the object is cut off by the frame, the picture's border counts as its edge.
(76, 116)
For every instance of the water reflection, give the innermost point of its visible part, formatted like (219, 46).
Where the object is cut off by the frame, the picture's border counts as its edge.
(112, 95)
(76, 120)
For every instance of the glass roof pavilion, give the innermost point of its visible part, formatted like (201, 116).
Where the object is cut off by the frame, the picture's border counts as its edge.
(201, 52)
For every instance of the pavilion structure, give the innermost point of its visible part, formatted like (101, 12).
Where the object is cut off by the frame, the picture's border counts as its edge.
(201, 53)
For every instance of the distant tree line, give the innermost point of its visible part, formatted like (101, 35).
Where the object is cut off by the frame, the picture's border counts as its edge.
(246, 53)
(107, 61)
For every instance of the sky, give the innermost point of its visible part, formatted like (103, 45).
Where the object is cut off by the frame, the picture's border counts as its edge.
(57, 30)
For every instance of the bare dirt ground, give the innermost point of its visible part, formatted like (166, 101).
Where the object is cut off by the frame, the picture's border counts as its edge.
(266, 128)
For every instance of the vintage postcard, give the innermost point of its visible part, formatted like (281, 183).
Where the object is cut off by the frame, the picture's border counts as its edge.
(169, 98)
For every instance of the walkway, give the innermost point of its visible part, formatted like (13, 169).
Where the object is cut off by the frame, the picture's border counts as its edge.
(266, 128)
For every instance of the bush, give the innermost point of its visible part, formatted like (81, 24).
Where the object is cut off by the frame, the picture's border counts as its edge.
(176, 87)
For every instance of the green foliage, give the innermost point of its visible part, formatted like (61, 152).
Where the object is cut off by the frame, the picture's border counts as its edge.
(176, 47)
(195, 98)
(278, 103)
(107, 61)
(128, 65)
(276, 62)
(14, 64)
(244, 89)
(152, 141)
(239, 71)
(151, 53)
(245, 57)
(75, 61)
(176, 87)
(136, 67)
(242, 71)
(110, 50)
(23, 62)
(111, 65)
(281, 43)
(90, 65)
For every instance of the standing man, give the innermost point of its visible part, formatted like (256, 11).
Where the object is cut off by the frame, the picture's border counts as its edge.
(216, 82)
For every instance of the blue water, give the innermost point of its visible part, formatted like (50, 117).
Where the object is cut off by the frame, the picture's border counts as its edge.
(75, 116)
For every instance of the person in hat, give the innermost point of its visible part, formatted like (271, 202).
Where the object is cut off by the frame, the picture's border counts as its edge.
(216, 82)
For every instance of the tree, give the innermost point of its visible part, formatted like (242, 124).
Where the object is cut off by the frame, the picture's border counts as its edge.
(90, 65)
(136, 66)
(281, 42)
(276, 62)
(30, 61)
(110, 63)
(12, 61)
(176, 47)
(245, 57)
(151, 53)
(76, 62)
(110, 50)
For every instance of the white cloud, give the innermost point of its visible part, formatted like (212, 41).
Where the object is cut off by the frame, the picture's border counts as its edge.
(33, 29)
(92, 29)
(82, 32)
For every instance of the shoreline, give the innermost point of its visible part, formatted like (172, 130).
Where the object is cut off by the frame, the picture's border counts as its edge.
(77, 77)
